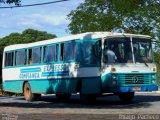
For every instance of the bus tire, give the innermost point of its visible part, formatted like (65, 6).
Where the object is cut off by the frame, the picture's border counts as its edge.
(63, 97)
(28, 95)
(126, 97)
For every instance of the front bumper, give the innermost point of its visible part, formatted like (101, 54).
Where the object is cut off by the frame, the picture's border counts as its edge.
(134, 88)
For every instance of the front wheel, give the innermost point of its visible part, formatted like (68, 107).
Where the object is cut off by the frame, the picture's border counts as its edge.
(126, 97)
(28, 95)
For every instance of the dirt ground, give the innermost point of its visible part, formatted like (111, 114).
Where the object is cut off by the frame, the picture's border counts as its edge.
(105, 108)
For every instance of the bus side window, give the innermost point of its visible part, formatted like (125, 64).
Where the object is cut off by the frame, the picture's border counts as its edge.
(36, 55)
(56, 51)
(9, 59)
(67, 52)
(20, 57)
(89, 56)
(70, 50)
(29, 56)
(62, 52)
(50, 53)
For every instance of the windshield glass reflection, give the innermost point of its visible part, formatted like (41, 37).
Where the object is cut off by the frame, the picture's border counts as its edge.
(119, 50)
(142, 50)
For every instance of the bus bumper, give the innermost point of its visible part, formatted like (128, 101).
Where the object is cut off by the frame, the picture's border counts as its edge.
(134, 88)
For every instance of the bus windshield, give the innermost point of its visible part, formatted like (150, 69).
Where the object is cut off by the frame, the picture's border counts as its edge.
(142, 50)
(119, 50)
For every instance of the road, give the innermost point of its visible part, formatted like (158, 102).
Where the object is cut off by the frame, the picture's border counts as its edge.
(108, 107)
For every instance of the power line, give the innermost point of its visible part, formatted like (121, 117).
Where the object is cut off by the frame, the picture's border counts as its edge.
(38, 4)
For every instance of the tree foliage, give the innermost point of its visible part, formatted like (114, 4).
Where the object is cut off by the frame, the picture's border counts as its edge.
(132, 16)
(27, 36)
(16, 2)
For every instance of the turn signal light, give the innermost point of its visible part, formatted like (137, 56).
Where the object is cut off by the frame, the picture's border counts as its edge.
(113, 69)
(154, 69)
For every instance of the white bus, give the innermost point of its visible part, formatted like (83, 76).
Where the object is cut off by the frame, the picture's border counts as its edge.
(90, 64)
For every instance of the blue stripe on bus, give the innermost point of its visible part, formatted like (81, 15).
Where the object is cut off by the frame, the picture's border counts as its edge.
(38, 69)
(44, 74)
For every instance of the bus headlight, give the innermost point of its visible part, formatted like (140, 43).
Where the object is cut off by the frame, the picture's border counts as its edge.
(153, 76)
(114, 82)
(153, 81)
(114, 77)
(113, 69)
(154, 69)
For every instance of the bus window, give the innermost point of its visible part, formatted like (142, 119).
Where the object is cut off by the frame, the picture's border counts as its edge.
(89, 56)
(62, 52)
(70, 50)
(117, 50)
(30, 56)
(142, 50)
(50, 53)
(9, 59)
(20, 57)
(56, 52)
(36, 55)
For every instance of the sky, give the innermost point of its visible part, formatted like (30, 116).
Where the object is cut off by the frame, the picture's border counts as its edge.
(51, 18)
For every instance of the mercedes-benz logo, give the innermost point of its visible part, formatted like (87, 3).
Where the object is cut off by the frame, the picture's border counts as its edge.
(135, 79)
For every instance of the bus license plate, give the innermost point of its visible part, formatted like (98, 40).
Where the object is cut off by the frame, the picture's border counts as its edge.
(137, 88)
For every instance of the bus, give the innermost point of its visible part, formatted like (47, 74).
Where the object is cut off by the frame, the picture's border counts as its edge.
(90, 64)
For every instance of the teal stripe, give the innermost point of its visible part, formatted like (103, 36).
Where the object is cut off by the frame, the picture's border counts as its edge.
(44, 74)
(38, 69)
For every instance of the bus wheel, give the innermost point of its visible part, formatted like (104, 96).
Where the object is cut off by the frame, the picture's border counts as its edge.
(87, 99)
(63, 97)
(29, 96)
(126, 97)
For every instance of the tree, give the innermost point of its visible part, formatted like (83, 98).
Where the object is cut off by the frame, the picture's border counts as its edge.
(27, 36)
(31, 35)
(133, 16)
(16, 2)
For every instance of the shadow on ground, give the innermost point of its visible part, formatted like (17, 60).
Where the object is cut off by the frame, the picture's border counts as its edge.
(107, 102)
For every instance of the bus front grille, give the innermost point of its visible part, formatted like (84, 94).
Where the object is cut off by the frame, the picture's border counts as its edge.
(135, 79)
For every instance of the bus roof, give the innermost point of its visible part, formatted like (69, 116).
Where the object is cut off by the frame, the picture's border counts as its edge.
(83, 36)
